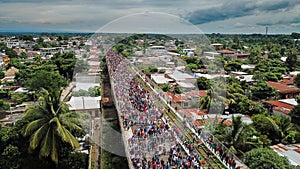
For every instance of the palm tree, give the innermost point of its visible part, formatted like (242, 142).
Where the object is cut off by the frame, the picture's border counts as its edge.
(216, 98)
(50, 126)
(237, 137)
(281, 126)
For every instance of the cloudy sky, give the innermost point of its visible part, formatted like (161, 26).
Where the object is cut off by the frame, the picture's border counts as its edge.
(210, 16)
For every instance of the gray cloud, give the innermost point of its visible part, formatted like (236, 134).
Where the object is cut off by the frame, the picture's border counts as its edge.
(211, 15)
(235, 9)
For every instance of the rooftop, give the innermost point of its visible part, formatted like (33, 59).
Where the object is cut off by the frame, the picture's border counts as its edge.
(177, 98)
(248, 66)
(247, 78)
(225, 51)
(291, 152)
(186, 85)
(199, 122)
(282, 88)
(289, 101)
(160, 78)
(11, 72)
(84, 103)
(280, 104)
(179, 76)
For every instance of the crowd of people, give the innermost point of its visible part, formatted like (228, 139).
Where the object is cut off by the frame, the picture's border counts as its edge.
(154, 143)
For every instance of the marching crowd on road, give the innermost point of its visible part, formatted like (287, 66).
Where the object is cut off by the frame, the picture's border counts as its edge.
(154, 143)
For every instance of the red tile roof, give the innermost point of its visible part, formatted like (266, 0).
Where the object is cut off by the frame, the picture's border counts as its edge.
(201, 93)
(298, 150)
(287, 82)
(177, 98)
(225, 51)
(199, 122)
(280, 106)
(282, 88)
(193, 112)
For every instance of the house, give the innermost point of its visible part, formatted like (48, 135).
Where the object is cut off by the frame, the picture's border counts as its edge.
(187, 50)
(210, 76)
(11, 72)
(291, 152)
(199, 123)
(246, 78)
(19, 50)
(284, 91)
(238, 73)
(249, 67)
(4, 60)
(211, 55)
(87, 104)
(226, 119)
(217, 46)
(281, 107)
(160, 79)
(242, 56)
(294, 74)
(179, 76)
(156, 51)
(186, 85)
(229, 54)
(12, 44)
(188, 99)
(50, 51)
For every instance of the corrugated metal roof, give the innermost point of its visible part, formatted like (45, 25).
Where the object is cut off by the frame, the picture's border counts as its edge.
(84, 103)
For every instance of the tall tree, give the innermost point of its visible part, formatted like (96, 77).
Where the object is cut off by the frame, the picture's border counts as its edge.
(4, 105)
(50, 126)
(51, 81)
(262, 91)
(297, 80)
(65, 63)
(203, 83)
(291, 60)
(238, 136)
(265, 158)
(295, 113)
(215, 100)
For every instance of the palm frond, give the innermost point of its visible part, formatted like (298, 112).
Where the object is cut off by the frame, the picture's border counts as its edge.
(65, 134)
(38, 135)
(238, 134)
(48, 124)
(33, 126)
(71, 139)
(274, 125)
(46, 144)
(54, 152)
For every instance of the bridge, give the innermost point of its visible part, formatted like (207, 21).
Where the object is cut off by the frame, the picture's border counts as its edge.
(151, 126)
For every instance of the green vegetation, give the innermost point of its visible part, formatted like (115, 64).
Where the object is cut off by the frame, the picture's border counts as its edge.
(4, 105)
(48, 128)
(262, 158)
(50, 124)
(92, 91)
(203, 83)
(262, 91)
(295, 113)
